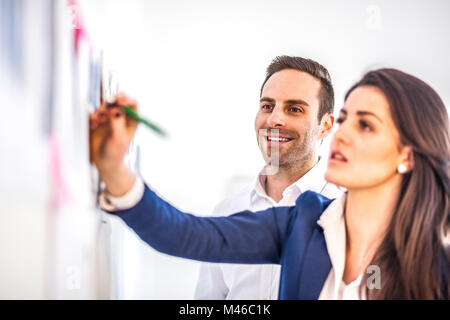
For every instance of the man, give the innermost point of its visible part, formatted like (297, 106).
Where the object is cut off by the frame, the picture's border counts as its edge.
(297, 100)
(295, 114)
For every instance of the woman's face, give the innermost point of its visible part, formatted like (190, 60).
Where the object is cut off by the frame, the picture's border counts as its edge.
(364, 151)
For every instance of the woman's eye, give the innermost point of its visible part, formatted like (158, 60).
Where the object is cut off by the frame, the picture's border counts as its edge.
(365, 126)
(340, 120)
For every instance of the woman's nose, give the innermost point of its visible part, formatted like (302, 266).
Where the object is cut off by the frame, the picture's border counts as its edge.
(342, 135)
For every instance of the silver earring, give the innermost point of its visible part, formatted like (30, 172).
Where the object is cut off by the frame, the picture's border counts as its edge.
(401, 168)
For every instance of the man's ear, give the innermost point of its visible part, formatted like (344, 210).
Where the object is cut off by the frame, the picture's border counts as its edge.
(326, 125)
(406, 158)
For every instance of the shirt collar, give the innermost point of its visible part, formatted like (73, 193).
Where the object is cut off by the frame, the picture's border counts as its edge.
(259, 186)
(333, 213)
(312, 180)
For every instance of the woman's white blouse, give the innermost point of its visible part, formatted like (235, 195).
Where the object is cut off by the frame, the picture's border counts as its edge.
(332, 221)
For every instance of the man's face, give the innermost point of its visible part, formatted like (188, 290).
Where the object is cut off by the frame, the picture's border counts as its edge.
(290, 103)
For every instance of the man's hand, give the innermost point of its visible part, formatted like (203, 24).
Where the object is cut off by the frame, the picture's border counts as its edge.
(111, 132)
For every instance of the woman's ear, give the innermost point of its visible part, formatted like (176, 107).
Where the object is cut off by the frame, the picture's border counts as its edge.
(326, 125)
(406, 160)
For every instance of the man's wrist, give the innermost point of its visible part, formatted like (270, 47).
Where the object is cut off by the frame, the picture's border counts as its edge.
(119, 181)
(111, 204)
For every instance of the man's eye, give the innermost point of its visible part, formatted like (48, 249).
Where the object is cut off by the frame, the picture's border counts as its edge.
(295, 109)
(340, 120)
(266, 107)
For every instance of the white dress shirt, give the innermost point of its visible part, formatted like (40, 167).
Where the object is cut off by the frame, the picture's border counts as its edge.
(256, 282)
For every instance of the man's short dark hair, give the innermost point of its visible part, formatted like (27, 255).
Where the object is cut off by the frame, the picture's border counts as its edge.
(326, 92)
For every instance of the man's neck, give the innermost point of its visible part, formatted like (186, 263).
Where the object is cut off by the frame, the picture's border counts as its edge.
(277, 183)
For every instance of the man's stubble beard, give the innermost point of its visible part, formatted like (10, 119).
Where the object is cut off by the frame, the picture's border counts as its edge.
(297, 156)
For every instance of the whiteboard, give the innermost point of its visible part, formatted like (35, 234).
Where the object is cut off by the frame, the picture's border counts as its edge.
(52, 237)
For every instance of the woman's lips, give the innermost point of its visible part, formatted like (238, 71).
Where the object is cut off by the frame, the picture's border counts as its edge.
(337, 156)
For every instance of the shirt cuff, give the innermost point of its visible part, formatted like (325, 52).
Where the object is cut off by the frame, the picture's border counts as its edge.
(127, 201)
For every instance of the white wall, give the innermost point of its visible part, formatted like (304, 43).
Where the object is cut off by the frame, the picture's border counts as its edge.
(196, 68)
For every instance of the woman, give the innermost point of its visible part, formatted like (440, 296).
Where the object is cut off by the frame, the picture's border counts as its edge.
(392, 153)
(390, 121)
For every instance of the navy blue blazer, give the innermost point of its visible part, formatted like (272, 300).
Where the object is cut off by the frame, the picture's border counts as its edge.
(289, 236)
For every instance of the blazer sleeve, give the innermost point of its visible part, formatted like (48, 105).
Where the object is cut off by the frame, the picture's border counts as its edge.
(244, 237)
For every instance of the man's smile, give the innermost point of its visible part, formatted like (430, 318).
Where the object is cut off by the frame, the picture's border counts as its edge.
(277, 139)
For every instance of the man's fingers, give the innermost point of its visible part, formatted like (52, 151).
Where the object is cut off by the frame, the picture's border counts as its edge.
(123, 100)
(98, 134)
(93, 122)
(118, 123)
(102, 116)
(111, 129)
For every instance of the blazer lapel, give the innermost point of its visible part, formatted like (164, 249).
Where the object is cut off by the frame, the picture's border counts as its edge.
(316, 266)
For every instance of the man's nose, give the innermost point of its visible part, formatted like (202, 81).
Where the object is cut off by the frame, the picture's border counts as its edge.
(276, 118)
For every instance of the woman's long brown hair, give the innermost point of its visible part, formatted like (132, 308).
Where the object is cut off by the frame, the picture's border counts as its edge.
(414, 257)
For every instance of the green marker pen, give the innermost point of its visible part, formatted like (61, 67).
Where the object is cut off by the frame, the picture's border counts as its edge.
(130, 112)
(133, 114)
